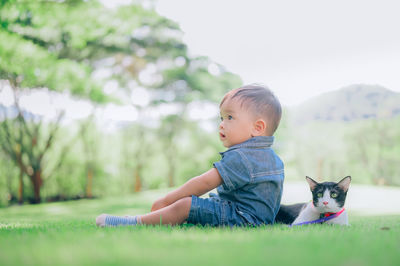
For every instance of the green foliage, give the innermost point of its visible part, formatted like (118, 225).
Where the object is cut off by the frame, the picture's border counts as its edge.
(151, 150)
(18, 57)
(8, 173)
(374, 148)
(37, 49)
(59, 44)
(70, 178)
(366, 149)
(203, 84)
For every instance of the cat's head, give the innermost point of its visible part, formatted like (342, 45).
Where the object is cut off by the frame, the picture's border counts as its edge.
(329, 196)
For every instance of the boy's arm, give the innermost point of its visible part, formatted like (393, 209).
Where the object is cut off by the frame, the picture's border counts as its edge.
(196, 186)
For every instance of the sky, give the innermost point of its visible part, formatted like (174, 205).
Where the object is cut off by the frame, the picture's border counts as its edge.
(299, 49)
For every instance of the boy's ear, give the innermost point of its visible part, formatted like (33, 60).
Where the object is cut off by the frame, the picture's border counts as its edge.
(259, 127)
(311, 182)
(345, 183)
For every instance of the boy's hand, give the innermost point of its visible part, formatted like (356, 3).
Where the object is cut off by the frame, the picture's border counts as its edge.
(159, 204)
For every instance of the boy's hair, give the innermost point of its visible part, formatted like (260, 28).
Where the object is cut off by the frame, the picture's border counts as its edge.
(261, 101)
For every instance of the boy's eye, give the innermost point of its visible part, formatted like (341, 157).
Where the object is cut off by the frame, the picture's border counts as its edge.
(319, 195)
(221, 118)
(230, 117)
(334, 195)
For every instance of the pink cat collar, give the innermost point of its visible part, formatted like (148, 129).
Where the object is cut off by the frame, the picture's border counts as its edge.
(328, 214)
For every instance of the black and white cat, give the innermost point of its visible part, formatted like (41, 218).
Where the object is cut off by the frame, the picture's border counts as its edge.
(328, 200)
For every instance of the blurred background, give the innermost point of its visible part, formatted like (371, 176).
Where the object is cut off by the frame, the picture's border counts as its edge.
(104, 98)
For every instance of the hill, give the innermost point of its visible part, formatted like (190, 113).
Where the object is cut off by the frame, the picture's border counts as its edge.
(350, 103)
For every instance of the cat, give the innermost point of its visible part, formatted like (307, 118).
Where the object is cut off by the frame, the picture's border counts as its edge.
(328, 201)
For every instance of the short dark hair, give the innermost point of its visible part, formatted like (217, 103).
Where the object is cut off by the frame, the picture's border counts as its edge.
(261, 101)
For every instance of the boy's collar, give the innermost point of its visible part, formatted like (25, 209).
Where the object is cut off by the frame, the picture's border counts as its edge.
(254, 142)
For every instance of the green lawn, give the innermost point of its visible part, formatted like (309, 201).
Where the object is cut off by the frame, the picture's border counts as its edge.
(65, 233)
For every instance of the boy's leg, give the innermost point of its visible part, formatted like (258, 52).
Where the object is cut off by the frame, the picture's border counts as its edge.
(175, 213)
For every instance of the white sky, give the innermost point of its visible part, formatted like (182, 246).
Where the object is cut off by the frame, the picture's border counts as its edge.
(298, 48)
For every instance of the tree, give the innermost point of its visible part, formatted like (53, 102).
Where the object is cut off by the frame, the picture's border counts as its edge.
(90, 147)
(187, 83)
(373, 150)
(58, 46)
(24, 143)
(137, 147)
(64, 45)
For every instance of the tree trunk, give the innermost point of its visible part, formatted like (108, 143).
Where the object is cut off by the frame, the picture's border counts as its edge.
(89, 183)
(138, 181)
(21, 187)
(37, 183)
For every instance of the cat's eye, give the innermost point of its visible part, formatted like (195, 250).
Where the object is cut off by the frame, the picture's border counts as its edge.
(319, 195)
(334, 195)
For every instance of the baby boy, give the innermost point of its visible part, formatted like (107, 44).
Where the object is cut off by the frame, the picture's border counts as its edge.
(248, 178)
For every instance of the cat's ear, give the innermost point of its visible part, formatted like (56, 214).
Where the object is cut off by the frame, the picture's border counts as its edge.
(311, 182)
(345, 183)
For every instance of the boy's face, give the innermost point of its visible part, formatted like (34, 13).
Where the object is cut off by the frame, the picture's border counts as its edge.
(236, 123)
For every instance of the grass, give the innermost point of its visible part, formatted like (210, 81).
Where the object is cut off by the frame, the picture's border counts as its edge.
(65, 233)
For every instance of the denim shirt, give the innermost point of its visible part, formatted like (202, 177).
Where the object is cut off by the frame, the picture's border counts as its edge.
(252, 177)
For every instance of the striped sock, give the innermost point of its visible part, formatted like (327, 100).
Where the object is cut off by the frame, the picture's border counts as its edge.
(118, 220)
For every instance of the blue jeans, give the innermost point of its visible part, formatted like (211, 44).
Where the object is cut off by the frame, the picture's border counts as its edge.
(214, 211)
